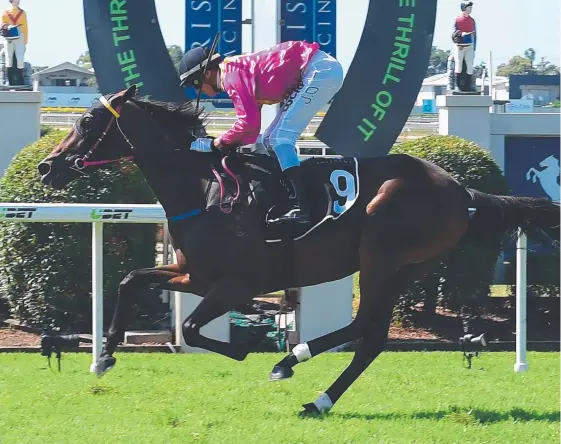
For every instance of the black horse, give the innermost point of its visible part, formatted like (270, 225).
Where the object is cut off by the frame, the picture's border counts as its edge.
(391, 218)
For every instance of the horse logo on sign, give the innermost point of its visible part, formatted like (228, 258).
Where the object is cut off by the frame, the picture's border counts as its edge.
(549, 177)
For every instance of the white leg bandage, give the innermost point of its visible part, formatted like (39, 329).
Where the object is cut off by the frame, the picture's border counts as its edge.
(323, 403)
(302, 352)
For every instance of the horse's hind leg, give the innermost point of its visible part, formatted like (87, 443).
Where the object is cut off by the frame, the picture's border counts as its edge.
(304, 352)
(374, 271)
(307, 350)
(375, 316)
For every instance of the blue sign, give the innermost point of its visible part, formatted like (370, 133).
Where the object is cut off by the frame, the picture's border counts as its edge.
(532, 166)
(312, 21)
(66, 100)
(429, 106)
(532, 169)
(203, 19)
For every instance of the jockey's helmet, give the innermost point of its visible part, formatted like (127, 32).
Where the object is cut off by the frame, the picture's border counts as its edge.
(193, 64)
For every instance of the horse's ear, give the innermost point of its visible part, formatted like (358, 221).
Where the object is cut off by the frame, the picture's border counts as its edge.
(121, 97)
(130, 92)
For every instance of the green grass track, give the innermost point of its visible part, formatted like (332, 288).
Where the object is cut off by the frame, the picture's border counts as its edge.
(203, 398)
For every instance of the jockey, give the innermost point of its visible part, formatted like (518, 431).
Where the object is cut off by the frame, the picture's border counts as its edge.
(296, 74)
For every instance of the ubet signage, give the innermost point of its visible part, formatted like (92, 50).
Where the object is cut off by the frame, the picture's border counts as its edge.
(383, 74)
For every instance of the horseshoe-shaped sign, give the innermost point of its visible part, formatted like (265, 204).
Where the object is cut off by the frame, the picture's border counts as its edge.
(127, 47)
(384, 79)
(366, 116)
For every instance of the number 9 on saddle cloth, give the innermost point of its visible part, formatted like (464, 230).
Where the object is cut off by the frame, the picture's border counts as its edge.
(256, 180)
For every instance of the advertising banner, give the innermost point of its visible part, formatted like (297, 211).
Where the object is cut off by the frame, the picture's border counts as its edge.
(384, 79)
(203, 19)
(312, 21)
(126, 47)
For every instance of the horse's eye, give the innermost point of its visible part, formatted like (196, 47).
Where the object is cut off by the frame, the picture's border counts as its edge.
(87, 121)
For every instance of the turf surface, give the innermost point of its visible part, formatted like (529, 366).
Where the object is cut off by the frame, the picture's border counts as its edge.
(164, 398)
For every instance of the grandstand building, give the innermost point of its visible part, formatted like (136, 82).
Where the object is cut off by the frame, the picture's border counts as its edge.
(66, 86)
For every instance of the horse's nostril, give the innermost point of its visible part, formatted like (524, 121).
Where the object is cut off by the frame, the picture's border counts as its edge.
(44, 168)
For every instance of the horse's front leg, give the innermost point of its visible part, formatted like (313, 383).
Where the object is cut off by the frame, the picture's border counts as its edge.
(225, 295)
(167, 277)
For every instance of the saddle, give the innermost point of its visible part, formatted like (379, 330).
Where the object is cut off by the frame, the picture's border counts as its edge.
(256, 180)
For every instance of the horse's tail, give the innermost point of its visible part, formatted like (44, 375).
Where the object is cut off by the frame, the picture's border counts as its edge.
(497, 215)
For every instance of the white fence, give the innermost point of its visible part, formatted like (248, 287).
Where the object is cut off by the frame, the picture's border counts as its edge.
(99, 214)
(421, 124)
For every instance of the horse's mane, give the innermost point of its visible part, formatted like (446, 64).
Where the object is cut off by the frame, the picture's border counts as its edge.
(180, 113)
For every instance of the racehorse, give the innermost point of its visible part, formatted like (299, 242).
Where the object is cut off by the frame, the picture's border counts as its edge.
(392, 218)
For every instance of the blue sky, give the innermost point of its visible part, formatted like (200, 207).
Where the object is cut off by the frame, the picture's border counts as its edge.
(507, 27)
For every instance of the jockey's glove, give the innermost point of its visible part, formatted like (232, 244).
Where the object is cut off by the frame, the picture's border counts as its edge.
(202, 144)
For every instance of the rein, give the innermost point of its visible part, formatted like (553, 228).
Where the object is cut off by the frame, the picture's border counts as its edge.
(84, 162)
(223, 208)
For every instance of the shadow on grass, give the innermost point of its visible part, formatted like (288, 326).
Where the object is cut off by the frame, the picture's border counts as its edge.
(455, 414)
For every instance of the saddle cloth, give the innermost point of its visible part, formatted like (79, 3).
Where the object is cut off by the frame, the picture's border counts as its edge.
(332, 185)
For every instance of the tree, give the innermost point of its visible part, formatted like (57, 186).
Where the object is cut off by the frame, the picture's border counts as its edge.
(525, 65)
(530, 54)
(85, 61)
(545, 67)
(478, 70)
(438, 61)
(516, 65)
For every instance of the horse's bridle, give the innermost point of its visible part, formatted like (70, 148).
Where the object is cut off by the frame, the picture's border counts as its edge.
(82, 162)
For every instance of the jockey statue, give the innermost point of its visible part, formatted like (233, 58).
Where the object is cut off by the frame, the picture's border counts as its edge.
(296, 74)
(14, 30)
(465, 38)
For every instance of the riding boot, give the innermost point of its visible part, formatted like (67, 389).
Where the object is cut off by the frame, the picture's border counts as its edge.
(10, 75)
(300, 211)
(469, 83)
(458, 82)
(19, 76)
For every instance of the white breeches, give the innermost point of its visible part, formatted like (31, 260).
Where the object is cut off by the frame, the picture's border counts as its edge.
(464, 53)
(17, 47)
(321, 79)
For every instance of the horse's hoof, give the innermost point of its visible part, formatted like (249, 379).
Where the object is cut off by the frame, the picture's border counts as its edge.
(321, 405)
(104, 364)
(280, 372)
(310, 410)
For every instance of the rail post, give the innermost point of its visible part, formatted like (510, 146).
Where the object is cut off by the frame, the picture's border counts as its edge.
(97, 292)
(521, 364)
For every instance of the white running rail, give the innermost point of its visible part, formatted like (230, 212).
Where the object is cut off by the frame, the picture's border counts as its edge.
(99, 214)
